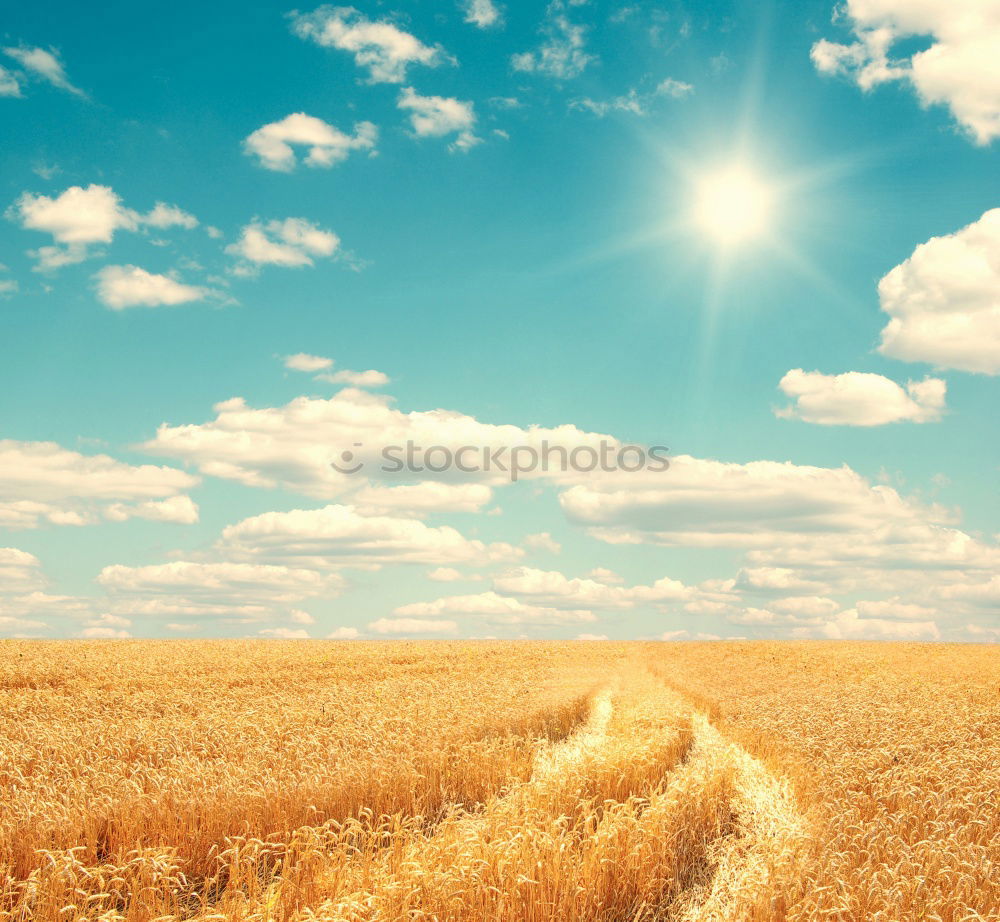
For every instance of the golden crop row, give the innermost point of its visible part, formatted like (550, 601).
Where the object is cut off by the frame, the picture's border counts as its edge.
(326, 782)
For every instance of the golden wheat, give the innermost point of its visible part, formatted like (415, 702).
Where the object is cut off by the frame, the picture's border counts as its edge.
(327, 782)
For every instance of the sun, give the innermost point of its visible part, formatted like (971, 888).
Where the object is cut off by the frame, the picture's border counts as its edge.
(733, 205)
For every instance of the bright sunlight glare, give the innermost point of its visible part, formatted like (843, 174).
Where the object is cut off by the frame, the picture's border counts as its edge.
(733, 205)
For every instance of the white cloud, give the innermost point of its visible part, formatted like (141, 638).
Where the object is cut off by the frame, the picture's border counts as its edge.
(436, 116)
(543, 541)
(974, 591)
(9, 85)
(555, 589)
(603, 575)
(687, 635)
(20, 572)
(380, 47)
(340, 536)
(830, 528)
(241, 592)
(709, 503)
(343, 633)
(633, 102)
(562, 54)
(8, 287)
(960, 69)
(284, 633)
(272, 143)
(43, 483)
(860, 399)
(807, 606)
(293, 446)
(494, 608)
(104, 633)
(944, 300)
(23, 600)
(775, 579)
(444, 575)
(303, 361)
(291, 243)
(317, 363)
(121, 287)
(298, 616)
(848, 625)
(163, 216)
(44, 64)
(482, 13)
(80, 217)
(179, 509)
(422, 498)
(77, 215)
(412, 626)
(894, 608)
(107, 620)
(368, 378)
(677, 89)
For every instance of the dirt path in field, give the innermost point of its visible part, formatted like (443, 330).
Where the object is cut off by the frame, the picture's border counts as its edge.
(769, 834)
(646, 811)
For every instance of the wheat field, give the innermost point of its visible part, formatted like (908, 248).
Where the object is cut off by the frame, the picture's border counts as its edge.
(323, 781)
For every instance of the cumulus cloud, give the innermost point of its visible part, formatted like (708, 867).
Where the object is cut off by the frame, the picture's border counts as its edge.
(960, 69)
(849, 625)
(437, 116)
(894, 608)
(104, 633)
(543, 541)
(9, 85)
(368, 378)
(233, 591)
(444, 575)
(811, 525)
(121, 287)
(495, 608)
(562, 54)
(23, 597)
(718, 504)
(341, 536)
(284, 633)
(422, 498)
(43, 483)
(44, 64)
(860, 399)
(273, 143)
(79, 218)
(378, 46)
(343, 633)
(482, 13)
(292, 243)
(775, 579)
(293, 446)
(944, 301)
(317, 363)
(555, 589)
(412, 626)
(163, 216)
(303, 361)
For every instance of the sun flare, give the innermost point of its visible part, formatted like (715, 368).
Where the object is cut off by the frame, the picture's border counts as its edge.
(733, 205)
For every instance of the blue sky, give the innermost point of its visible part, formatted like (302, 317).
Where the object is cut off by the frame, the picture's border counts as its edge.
(499, 212)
